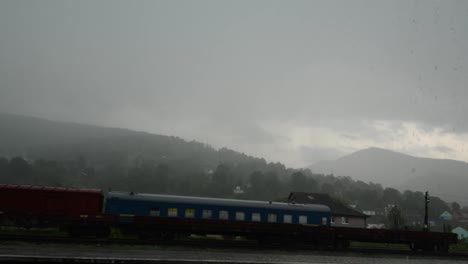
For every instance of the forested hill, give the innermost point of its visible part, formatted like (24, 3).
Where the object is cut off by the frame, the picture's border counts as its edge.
(40, 152)
(21, 133)
(101, 147)
(35, 138)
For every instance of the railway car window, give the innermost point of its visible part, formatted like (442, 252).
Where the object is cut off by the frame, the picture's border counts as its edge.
(155, 212)
(207, 213)
(223, 215)
(172, 212)
(189, 213)
(240, 216)
(344, 220)
(287, 219)
(256, 217)
(332, 219)
(302, 219)
(324, 221)
(272, 218)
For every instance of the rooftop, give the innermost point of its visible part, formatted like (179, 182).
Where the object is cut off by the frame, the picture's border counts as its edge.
(336, 207)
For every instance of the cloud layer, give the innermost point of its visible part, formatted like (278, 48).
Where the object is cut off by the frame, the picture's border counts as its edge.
(290, 81)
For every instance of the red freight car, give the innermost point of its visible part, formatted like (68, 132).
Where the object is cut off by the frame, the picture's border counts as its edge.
(49, 202)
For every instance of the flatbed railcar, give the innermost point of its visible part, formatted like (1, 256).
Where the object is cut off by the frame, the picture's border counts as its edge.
(416, 240)
(93, 212)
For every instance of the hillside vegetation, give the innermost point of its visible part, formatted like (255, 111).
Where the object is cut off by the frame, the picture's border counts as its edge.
(43, 152)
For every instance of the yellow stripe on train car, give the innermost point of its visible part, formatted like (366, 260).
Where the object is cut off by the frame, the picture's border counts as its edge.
(126, 215)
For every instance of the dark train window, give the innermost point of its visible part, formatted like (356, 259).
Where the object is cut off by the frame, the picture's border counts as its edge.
(302, 219)
(207, 213)
(155, 212)
(240, 216)
(256, 217)
(223, 215)
(287, 219)
(272, 218)
(190, 213)
(172, 212)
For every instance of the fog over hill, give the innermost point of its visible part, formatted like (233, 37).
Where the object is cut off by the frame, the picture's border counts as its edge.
(37, 138)
(295, 82)
(445, 178)
(20, 133)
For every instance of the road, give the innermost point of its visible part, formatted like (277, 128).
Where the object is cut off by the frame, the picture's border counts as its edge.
(154, 254)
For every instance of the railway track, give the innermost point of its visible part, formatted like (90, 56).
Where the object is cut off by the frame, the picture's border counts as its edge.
(223, 244)
(41, 239)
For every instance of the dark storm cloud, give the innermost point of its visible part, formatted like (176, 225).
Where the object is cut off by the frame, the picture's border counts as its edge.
(219, 69)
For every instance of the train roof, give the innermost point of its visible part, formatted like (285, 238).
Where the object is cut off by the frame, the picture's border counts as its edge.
(37, 188)
(217, 201)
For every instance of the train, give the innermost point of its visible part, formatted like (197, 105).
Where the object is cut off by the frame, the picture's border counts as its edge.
(93, 212)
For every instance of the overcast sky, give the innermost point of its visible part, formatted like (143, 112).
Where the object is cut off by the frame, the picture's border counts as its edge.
(291, 81)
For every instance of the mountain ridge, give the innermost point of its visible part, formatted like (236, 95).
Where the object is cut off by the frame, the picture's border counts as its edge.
(37, 138)
(401, 171)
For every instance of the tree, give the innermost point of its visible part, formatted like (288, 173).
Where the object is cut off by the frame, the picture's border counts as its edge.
(328, 188)
(49, 173)
(257, 185)
(3, 170)
(436, 207)
(413, 202)
(455, 207)
(161, 178)
(20, 171)
(391, 196)
(395, 219)
(370, 198)
(273, 185)
(298, 182)
(220, 183)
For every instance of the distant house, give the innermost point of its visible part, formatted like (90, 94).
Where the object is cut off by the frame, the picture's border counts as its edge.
(446, 216)
(414, 219)
(369, 212)
(238, 190)
(341, 214)
(461, 233)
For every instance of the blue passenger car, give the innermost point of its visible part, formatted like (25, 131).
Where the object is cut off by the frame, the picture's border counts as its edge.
(127, 205)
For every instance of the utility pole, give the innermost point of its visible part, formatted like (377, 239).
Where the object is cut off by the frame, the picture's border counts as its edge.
(426, 203)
